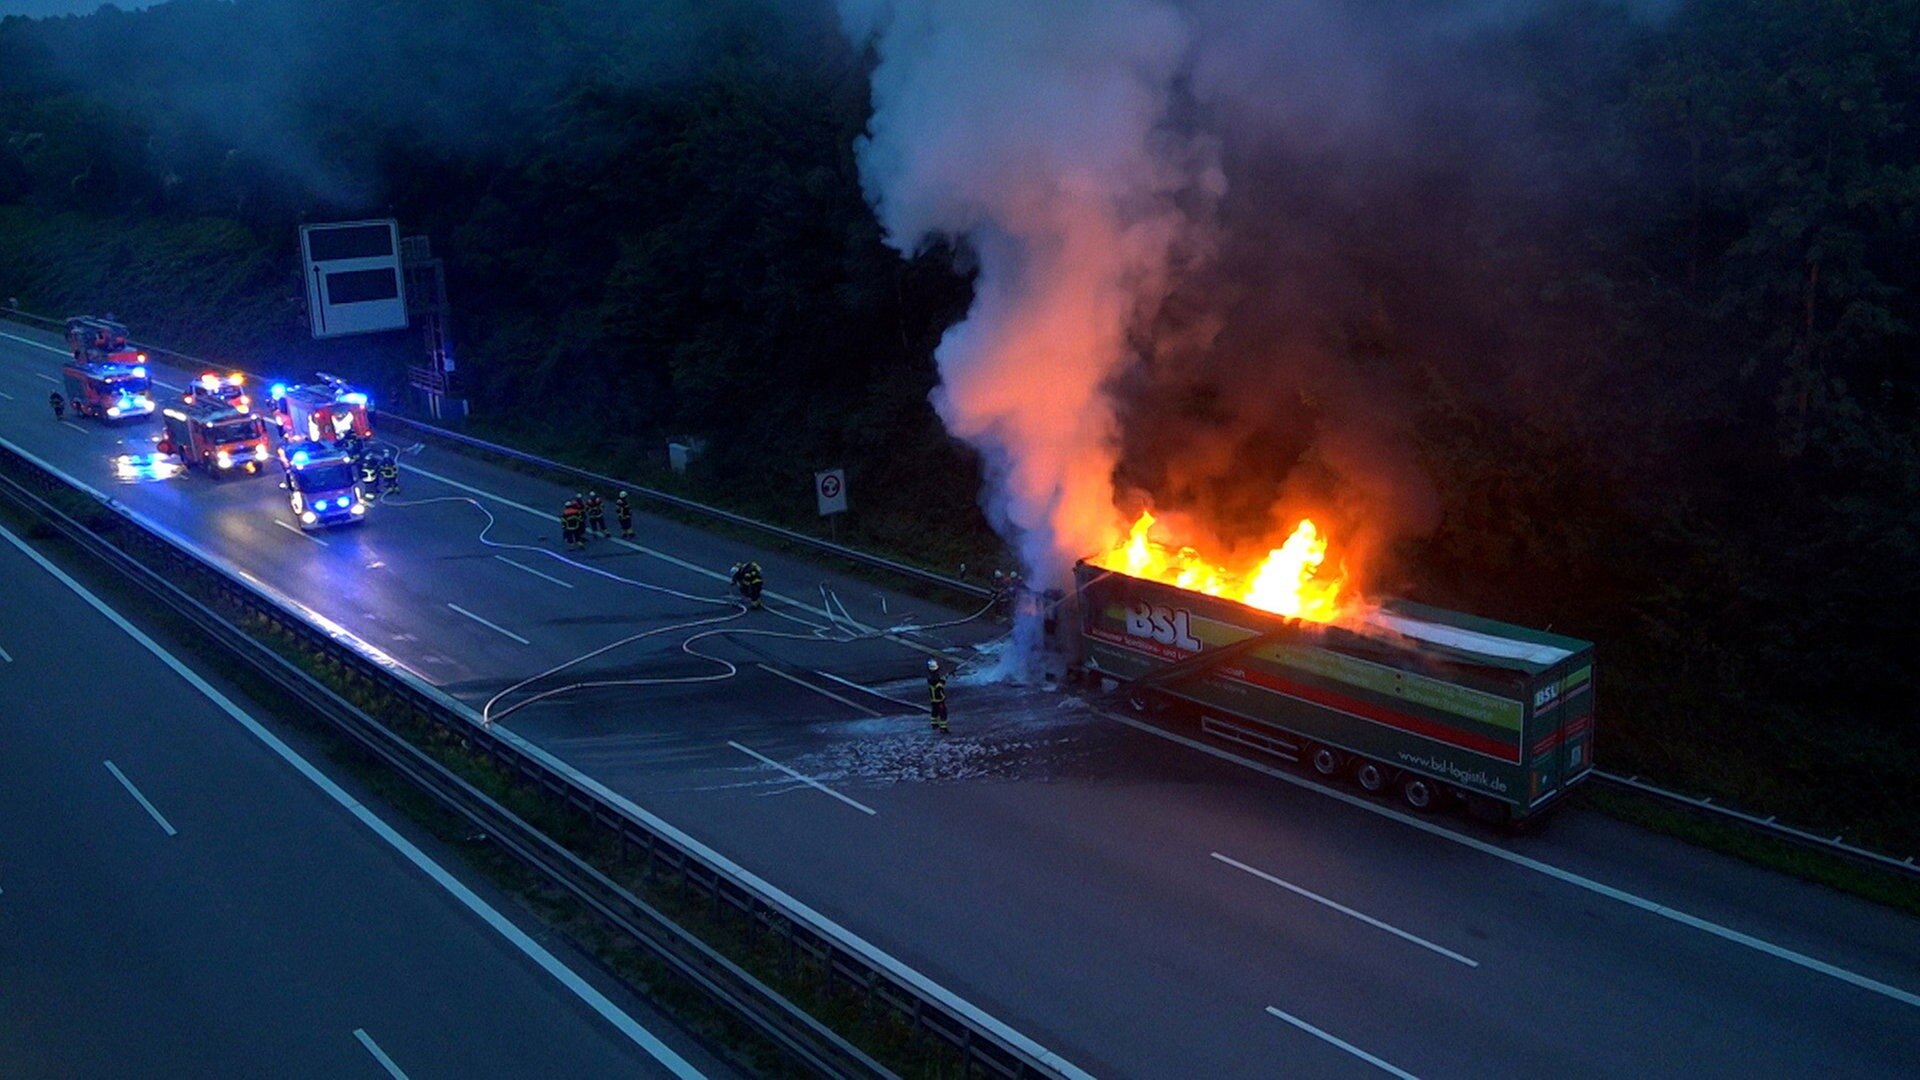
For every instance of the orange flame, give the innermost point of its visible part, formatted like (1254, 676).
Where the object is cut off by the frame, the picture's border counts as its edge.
(1289, 581)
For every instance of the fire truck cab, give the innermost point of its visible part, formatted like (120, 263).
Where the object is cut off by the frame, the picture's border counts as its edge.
(107, 391)
(321, 487)
(230, 389)
(210, 434)
(322, 413)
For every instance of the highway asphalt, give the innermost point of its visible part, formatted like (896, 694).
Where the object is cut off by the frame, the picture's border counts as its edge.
(1141, 906)
(178, 899)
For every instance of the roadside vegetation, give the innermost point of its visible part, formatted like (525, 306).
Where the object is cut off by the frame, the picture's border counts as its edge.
(1701, 450)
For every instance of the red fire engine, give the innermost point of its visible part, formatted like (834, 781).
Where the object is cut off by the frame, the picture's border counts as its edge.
(325, 413)
(210, 434)
(231, 389)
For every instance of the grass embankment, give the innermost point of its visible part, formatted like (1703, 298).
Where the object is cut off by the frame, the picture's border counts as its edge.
(798, 976)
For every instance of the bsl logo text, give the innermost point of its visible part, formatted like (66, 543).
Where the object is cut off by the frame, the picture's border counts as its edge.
(1166, 625)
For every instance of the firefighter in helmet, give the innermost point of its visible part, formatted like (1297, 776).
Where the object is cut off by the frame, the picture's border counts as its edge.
(748, 579)
(623, 509)
(59, 405)
(936, 697)
(596, 514)
(573, 522)
(390, 471)
(367, 471)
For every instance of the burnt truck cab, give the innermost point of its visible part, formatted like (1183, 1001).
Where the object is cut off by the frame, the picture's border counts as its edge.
(107, 390)
(212, 435)
(1432, 704)
(321, 487)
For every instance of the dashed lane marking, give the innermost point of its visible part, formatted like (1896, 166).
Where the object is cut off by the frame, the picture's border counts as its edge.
(807, 780)
(135, 792)
(535, 573)
(1347, 911)
(822, 691)
(1344, 1045)
(301, 533)
(495, 627)
(379, 1055)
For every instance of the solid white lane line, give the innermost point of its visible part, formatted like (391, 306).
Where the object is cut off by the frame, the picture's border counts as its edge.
(1343, 1044)
(807, 780)
(565, 975)
(867, 690)
(74, 426)
(35, 344)
(1567, 876)
(822, 691)
(491, 626)
(301, 533)
(49, 378)
(135, 792)
(5, 655)
(535, 573)
(4, 394)
(379, 1055)
(1347, 911)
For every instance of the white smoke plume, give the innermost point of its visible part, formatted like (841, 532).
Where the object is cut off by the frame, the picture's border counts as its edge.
(1040, 135)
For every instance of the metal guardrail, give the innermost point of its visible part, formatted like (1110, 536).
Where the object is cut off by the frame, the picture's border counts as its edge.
(1772, 826)
(982, 1045)
(574, 472)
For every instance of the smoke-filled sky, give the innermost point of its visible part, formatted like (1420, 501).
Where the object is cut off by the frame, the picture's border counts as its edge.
(1213, 239)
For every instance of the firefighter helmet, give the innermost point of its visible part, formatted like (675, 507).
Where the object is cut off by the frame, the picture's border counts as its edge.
(933, 665)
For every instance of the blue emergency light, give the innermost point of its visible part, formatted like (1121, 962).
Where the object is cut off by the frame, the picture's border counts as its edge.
(299, 457)
(139, 373)
(278, 391)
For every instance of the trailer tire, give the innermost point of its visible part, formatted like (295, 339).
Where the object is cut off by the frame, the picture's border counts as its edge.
(1420, 793)
(1371, 777)
(1325, 760)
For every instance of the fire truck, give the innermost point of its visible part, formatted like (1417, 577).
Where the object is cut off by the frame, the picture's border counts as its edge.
(107, 390)
(211, 386)
(101, 341)
(214, 435)
(325, 413)
(321, 488)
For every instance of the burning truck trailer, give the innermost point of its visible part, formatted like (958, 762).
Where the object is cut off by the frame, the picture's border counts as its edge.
(1432, 704)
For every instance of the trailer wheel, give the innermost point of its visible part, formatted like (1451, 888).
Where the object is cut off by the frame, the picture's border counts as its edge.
(1371, 777)
(1326, 760)
(1419, 793)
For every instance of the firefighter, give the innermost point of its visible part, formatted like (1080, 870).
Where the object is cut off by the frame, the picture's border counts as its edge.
(389, 472)
(748, 579)
(59, 405)
(368, 473)
(623, 510)
(596, 514)
(573, 523)
(936, 697)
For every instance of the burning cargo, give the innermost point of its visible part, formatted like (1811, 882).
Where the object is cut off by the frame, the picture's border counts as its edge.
(1429, 702)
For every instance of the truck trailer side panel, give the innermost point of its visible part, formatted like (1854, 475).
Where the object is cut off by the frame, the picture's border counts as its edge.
(1491, 709)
